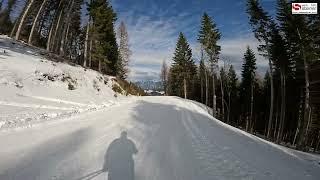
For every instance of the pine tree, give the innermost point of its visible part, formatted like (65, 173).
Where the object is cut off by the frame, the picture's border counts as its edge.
(65, 28)
(208, 37)
(314, 25)
(278, 55)
(104, 48)
(36, 21)
(183, 69)
(260, 22)
(55, 24)
(232, 90)
(299, 43)
(124, 51)
(247, 85)
(23, 18)
(73, 34)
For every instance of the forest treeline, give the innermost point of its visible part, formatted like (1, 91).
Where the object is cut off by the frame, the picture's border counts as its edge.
(62, 28)
(284, 105)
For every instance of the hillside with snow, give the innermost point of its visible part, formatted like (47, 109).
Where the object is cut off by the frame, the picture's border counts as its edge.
(35, 89)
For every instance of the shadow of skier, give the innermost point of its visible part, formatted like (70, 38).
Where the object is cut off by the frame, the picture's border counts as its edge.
(118, 160)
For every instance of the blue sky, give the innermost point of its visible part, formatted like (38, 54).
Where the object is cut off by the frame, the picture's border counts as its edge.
(154, 26)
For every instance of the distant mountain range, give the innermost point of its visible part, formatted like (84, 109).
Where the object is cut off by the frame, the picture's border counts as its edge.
(150, 85)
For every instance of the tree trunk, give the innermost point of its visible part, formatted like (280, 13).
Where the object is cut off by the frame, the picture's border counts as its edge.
(271, 99)
(251, 106)
(86, 45)
(35, 22)
(299, 119)
(23, 19)
(303, 137)
(283, 106)
(66, 40)
(222, 100)
(14, 27)
(207, 86)
(214, 98)
(100, 66)
(185, 87)
(229, 105)
(90, 53)
(201, 87)
(317, 145)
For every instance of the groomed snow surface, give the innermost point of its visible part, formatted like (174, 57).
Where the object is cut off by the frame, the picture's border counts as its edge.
(176, 139)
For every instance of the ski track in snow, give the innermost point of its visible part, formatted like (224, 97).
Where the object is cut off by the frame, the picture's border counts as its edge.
(176, 140)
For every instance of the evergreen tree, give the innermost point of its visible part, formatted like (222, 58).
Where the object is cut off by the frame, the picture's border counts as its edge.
(247, 85)
(232, 90)
(314, 25)
(36, 21)
(183, 70)
(104, 48)
(299, 43)
(208, 37)
(260, 22)
(278, 55)
(124, 51)
(24, 14)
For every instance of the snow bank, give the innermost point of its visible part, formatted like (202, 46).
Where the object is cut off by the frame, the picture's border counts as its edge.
(34, 88)
(206, 111)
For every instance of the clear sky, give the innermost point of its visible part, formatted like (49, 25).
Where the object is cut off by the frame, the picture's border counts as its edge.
(154, 26)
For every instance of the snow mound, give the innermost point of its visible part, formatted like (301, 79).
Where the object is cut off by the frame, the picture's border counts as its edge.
(35, 89)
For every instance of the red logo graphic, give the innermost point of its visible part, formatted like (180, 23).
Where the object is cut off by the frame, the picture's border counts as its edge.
(296, 7)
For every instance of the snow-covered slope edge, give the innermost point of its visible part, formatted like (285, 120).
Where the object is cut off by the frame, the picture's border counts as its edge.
(34, 89)
(204, 110)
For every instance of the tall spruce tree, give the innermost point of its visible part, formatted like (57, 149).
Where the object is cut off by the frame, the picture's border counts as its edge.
(299, 43)
(232, 91)
(35, 22)
(247, 85)
(183, 69)
(280, 58)
(104, 48)
(260, 22)
(208, 37)
(124, 51)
